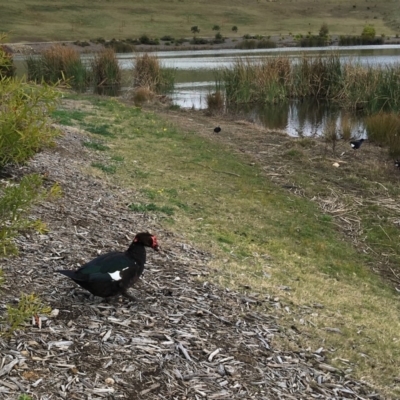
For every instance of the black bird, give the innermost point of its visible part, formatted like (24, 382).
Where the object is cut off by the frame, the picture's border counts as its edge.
(113, 273)
(356, 144)
(217, 129)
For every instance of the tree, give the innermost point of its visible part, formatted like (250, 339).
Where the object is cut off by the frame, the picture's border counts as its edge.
(216, 28)
(234, 28)
(324, 30)
(195, 29)
(368, 32)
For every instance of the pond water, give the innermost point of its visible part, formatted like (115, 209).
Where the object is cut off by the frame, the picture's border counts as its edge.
(195, 78)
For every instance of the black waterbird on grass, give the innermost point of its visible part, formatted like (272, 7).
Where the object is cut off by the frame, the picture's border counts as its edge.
(217, 129)
(113, 273)
(356, 144)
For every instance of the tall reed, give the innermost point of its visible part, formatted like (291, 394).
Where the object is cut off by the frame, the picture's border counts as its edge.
(384, 129)
(149, 73)
(58, 63)
(106, 73)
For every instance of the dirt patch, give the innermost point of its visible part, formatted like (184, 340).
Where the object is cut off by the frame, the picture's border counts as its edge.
(184, 339)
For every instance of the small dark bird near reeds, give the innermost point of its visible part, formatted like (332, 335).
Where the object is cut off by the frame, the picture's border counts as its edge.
(397, 164)
(217, 129)
(113, 273)
(356, 144)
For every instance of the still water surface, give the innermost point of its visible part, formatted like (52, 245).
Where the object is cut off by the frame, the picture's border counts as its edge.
(195, 78)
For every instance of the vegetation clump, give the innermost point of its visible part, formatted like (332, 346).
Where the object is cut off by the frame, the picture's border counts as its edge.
(28, 306)
(24, 122)
(106, 73)
(149, 73)
(384, 129)
(7, 68)
(278, 79)
(58, 63)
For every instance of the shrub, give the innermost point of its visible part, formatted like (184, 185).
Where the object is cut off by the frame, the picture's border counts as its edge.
(324, 30)
(254, 44)
(234, 28)
(197, 40)
(167, 38)
(120, 46)
(24, 121)
(368, 32)
(15, 200)
(313, 41)
(81, 44)
(195, 29)
(7, 68)
(219, 38)
(216, 28)
(28, 306)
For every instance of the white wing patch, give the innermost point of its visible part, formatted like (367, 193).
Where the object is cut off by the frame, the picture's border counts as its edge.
(116, 276)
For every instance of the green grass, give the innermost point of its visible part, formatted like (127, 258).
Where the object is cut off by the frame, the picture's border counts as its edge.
(151, 207)
(24, 397)
(123, 19)
(255, 228)
(108, 169)
(67, 117)
(95, 146)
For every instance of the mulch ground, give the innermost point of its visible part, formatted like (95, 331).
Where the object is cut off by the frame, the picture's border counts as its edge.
(184, 339)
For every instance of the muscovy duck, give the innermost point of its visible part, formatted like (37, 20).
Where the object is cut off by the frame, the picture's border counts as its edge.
(356, 144)
(113, 273)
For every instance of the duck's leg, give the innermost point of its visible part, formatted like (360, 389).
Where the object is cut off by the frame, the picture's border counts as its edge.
(128, 296)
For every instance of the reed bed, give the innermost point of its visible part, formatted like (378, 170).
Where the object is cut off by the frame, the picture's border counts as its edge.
(58, 63)
(278, 79)
(149, 73)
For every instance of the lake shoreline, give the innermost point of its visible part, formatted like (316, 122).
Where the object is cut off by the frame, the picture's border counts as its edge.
(32, 48)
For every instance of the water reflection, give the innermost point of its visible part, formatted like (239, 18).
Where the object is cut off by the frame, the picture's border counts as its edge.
(301, 119)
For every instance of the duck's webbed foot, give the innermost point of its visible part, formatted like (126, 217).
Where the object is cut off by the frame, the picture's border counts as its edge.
(128, 296)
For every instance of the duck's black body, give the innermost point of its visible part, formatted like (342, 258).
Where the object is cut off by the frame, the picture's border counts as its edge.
(113, 273)
(356, 144)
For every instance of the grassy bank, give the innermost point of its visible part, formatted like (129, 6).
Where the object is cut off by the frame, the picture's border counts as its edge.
(277, 79)
(262, 237)
(41, 21)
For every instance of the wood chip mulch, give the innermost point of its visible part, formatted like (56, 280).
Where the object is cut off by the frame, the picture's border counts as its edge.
(185, 339)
